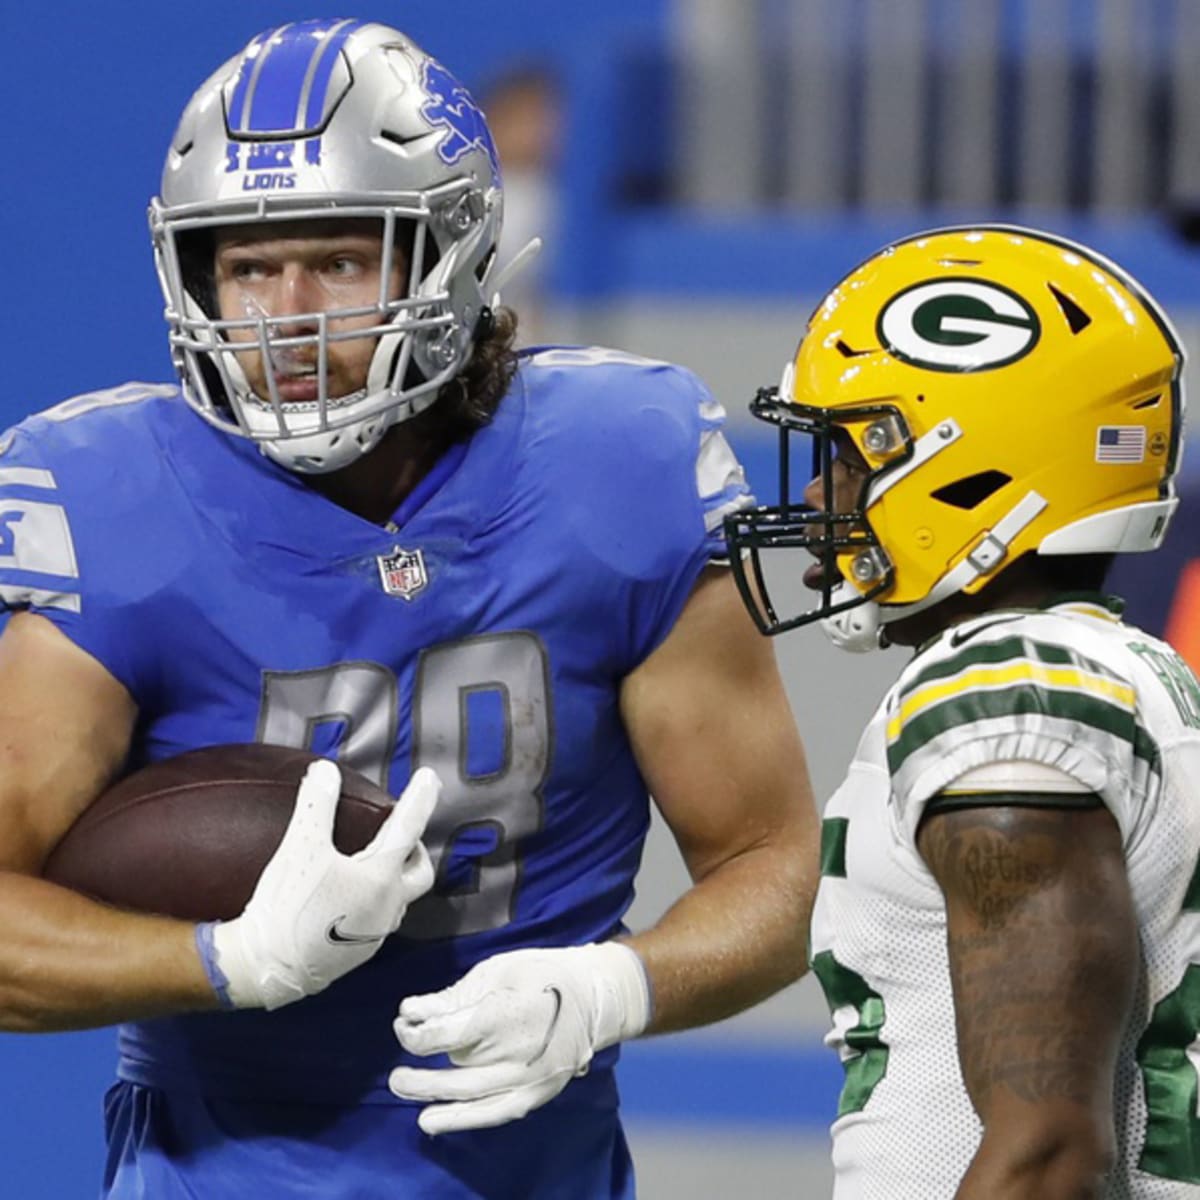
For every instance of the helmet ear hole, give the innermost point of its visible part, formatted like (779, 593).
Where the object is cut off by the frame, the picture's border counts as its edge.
(972, 491)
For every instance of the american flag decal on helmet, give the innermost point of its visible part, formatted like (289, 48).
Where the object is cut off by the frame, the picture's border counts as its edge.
(1121, 444)
(402, 573)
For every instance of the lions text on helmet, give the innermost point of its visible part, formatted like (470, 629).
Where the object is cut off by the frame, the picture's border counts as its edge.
(344, 140)
(922, 380)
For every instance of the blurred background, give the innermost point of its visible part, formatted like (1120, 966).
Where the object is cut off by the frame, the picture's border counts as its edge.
(702, 171)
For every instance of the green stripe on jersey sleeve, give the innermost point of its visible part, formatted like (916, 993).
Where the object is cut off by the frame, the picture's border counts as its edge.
(1009, 649)
(1078, 717)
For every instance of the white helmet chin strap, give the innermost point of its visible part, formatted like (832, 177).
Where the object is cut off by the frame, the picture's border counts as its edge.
(319, 452)
(315, 453)
(855, 629)
(858, 629)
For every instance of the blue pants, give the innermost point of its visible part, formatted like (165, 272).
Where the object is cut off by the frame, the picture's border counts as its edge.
(172, 1145)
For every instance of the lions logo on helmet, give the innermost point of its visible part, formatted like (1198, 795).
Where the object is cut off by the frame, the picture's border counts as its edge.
(452, 108)
(1000, 385)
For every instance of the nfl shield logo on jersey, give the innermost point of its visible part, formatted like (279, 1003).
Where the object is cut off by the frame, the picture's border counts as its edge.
(402, 572)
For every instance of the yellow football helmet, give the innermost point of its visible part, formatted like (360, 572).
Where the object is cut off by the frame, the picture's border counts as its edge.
(1009, 391)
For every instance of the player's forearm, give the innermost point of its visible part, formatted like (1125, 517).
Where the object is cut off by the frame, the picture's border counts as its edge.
(735, 938)
(1038, 1162)
(69, 963)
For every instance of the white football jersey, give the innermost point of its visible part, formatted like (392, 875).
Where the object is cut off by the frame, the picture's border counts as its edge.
(1075, 690)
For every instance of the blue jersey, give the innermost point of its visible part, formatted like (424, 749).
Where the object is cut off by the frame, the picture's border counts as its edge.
(484, 632)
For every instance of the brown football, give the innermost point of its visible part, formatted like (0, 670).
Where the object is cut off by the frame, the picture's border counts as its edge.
(189, 836)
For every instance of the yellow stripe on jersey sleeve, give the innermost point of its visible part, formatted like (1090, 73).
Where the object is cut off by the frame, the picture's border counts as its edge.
(1005, 675)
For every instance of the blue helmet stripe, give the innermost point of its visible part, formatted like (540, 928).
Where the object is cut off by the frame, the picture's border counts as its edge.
(252, 63)
(324, 62)
(282, 88)
(276, 97)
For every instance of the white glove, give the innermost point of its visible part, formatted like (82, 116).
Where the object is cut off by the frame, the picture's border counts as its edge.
(317, 913)
(518, 1028)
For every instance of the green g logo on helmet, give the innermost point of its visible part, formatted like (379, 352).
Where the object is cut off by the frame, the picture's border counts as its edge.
(958, 325)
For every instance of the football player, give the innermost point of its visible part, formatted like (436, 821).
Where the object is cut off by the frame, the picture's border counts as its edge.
(1008, 922)
(363, 524)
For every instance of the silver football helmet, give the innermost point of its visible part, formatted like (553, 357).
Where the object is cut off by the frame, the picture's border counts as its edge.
(316, 120)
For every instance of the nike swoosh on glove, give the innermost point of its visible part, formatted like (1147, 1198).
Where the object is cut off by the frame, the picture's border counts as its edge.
(317, 913)
(518, 1027)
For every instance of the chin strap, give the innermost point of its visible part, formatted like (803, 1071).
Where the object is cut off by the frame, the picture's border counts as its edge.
(856, 629)
(861, 628)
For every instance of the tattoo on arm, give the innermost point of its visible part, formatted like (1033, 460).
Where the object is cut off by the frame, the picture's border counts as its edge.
(1043, 950)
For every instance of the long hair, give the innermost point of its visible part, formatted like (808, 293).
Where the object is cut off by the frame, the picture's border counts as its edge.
(469, 401)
